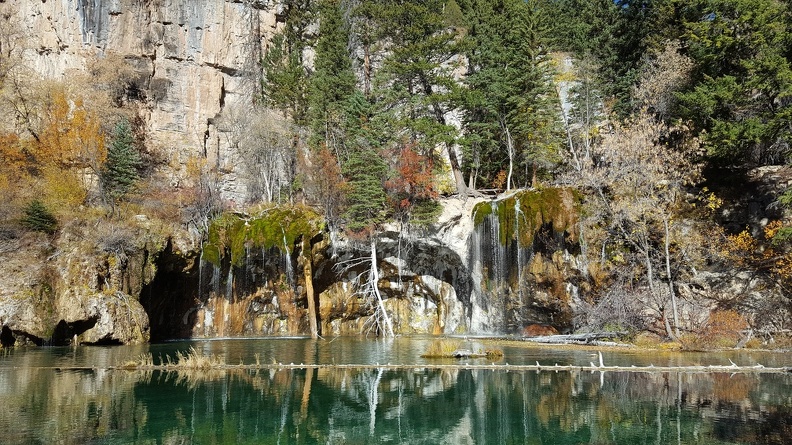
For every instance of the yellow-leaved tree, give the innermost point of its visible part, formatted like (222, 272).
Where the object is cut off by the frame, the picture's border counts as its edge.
(69, 149)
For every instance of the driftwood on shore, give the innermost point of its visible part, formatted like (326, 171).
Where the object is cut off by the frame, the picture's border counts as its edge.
(589, 338)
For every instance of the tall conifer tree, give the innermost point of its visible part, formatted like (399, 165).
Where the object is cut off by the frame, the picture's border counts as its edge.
(511, 116)
(120, 170)
(333, 80)
(414, 83)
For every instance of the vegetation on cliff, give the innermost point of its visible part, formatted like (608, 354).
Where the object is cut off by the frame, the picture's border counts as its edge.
(284, 228)
(613, 113)
(522, 214)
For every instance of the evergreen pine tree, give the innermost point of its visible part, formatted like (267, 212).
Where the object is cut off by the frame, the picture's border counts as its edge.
(415, 84)
(38, 218)
(285, 83)
(333, 80)
(362, 165)
(366, 199)
(511, 118)
(739, 90)
(120, 170)
(612, 33)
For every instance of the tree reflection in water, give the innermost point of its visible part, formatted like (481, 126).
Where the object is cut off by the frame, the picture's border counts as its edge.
(418, 405)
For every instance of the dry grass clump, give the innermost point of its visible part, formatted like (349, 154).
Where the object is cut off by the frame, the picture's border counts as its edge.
(193, 359)
(446, 348)
(190, 359)
(143, 361)
(493, 353)
(650, 340)
(441, 348)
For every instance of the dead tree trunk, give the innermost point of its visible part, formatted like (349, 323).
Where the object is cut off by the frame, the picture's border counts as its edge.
(373, 282)
(309, 289)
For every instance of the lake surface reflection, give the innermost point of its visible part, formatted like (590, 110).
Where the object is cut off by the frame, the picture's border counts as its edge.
(44, 402)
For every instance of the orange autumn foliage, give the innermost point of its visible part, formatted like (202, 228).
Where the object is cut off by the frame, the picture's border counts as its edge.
(58, 161)
(71, 135)
(744, 250)
(413, 180)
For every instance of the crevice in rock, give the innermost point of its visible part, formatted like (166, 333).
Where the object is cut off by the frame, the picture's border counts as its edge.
(7, 338)
(227, 70)
(65, 332)
(170, 298)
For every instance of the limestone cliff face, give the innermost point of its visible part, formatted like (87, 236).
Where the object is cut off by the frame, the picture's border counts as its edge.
(192, 58)
(461, 275)
(83, 286)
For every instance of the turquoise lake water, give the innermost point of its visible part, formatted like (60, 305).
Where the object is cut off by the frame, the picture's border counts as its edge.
(45, 400)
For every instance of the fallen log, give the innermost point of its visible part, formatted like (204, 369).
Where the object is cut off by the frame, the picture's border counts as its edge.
(589, 338)
(732, 369)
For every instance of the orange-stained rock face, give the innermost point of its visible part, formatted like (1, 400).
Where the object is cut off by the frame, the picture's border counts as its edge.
(539, 330)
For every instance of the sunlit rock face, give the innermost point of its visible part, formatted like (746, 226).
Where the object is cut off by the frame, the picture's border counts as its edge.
(425, 285)
(524, 260)
(192, 60)
(456, 277)
(483, 268)
(77, 288)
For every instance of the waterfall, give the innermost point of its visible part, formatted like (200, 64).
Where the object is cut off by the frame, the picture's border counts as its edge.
(515, 237)
(520, 295)
(264, 262)
(200, 274)
(250, 269)
(215, 283)
(490, 270)
(229, 290)
(496, 252)
(287, 260)
(498, 261)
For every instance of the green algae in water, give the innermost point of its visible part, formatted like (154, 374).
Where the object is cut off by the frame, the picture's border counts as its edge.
(559, 207)
(277, 227)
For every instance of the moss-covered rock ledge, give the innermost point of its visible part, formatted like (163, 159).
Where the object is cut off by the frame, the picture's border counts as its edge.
(522, 214)
(234, 239)
(233, 234)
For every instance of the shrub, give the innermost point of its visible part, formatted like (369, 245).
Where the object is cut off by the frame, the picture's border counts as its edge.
(38, 218)
(722, 330)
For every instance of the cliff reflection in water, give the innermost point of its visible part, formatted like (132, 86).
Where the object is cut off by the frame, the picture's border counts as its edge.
(414, 406)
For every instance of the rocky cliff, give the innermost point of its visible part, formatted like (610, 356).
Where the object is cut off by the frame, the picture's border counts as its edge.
(485, 267)
(469, 273)
(190, 61)
(83, 286)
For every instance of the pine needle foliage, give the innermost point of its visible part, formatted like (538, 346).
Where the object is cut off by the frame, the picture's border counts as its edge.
(366, 198)
(38, 218)
(120, 170)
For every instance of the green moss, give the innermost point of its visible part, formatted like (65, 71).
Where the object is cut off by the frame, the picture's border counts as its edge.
(481, 211)
(522, 214)
(279, 227)
(211, 254)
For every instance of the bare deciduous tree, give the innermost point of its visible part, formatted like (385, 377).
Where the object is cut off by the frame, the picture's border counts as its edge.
(641, 171)
(265, 145)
